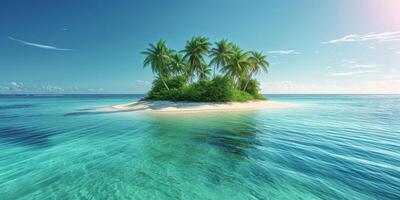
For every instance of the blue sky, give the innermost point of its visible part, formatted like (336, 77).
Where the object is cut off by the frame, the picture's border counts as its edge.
(93, 46)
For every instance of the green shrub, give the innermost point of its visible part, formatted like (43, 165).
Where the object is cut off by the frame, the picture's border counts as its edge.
(241, 96)
(177, 82)
(171, 95)
(219, 89)
(160, 92)
(253, 88)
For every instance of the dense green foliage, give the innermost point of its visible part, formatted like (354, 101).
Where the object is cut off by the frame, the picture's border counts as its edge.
(219, 89)
(252, 87)
(176, 73)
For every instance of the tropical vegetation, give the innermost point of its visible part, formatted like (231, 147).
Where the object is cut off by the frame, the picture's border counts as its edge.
(202, 71)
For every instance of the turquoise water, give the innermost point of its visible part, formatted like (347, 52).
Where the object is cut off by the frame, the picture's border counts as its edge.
(331, 147)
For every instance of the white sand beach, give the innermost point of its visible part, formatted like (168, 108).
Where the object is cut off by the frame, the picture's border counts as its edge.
(188, 107)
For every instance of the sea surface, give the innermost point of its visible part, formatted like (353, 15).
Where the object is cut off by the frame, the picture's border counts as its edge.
(330, 147)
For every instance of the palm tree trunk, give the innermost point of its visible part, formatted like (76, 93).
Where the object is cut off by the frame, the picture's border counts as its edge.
(247, 83)
(191, 74)
(214, 72)
(215, 67)
(165, 84)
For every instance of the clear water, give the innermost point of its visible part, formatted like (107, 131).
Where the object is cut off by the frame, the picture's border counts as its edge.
(331, 147)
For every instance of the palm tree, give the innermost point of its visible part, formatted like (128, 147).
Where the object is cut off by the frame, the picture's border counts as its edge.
(235, 47)
(220, 54)
(178, 64)
(237, 65)
(195, 50)
(158, 57)
(204, 72)
(258, 62)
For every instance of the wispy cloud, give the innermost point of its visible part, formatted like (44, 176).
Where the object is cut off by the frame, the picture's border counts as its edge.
(144, 82)
(4, 88)
(351, 73)
(381, 37)
(43, 46)
(20, 87)
(363, 87)
(353, 64)
(346, 62)
(52, 88)
(283, 52)
(365, 66)
(15, 86)
(397, 52)
(95, 89)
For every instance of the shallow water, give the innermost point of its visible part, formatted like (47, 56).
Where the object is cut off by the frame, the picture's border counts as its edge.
(331, 147)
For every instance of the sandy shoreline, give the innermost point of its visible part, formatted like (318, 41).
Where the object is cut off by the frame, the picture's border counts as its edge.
(188, 107)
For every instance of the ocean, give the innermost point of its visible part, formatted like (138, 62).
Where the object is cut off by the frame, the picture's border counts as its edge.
(329, 147)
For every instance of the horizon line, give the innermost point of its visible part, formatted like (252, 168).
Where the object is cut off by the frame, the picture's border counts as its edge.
(55, 94)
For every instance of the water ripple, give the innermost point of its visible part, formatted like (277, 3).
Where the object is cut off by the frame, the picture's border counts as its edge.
(16, 106)
(333, 147)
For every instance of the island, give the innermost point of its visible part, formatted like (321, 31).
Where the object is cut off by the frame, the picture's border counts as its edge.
(203, 77)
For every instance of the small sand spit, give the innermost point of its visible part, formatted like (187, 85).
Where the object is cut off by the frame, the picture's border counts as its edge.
(169, 106)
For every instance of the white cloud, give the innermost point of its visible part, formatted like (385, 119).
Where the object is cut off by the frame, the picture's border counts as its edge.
(392, 76)
(43, 46)
(51, 88)
(346, 62)
(350, 73)
(397, 52)
(292, 87)
(19, 87)
(4, 88)
(15, 84)
(381, 37)
(368, 66)
(95, 89)
(144, 82)
(283, 52)
(366, 87)
(72, 89)
(353, 64)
